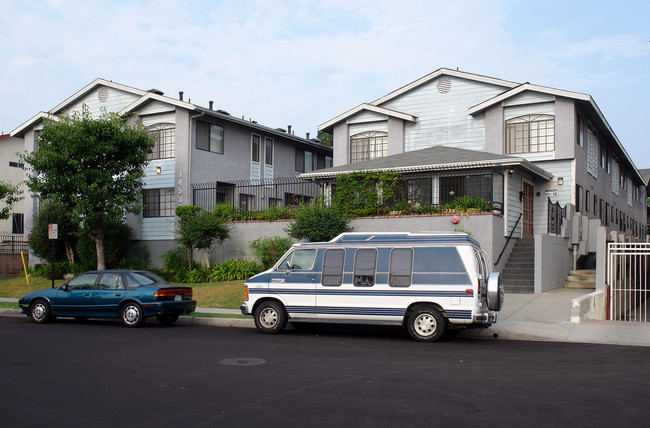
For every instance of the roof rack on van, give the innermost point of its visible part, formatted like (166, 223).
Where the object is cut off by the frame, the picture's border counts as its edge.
(377, 237)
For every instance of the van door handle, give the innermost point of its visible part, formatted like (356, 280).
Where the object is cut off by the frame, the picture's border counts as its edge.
(313, 277)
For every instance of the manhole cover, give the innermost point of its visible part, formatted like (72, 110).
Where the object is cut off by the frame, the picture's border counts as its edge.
(242, 362)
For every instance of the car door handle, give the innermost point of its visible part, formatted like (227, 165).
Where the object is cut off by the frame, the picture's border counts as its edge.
(86, 294)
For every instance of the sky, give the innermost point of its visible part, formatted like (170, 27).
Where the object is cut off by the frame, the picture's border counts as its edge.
(302, 63)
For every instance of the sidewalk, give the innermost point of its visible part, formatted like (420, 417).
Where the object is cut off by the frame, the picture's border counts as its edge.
(542, 317)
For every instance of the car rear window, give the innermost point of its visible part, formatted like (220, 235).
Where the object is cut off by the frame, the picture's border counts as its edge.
(138, 279)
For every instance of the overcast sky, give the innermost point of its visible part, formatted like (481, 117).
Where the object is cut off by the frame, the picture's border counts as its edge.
(302, 63)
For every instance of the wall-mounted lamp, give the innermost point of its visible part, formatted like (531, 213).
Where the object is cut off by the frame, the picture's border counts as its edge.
(511, 171)
(158, 170)
(560, 181)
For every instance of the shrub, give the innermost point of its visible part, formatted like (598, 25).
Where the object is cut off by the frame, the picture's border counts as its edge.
(234, 269)
(317, 222)
(269, 250)
(45, 270)
(68, 228)
(174, 259)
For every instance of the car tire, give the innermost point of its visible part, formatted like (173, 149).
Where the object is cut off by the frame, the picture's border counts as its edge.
(167, 319)
(131, 314)
(426, 324)
(40, 311)
(270, 317)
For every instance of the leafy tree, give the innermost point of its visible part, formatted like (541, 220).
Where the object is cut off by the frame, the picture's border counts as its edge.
(117, 238)
(325, 138)
(10, 194)
(199, 229)
(269, 250)
(68, 229)
(91, 166)
(318, 222)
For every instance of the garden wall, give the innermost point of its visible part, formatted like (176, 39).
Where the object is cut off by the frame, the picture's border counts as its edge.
(487, 229)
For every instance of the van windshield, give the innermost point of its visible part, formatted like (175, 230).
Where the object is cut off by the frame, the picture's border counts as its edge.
(299, 259)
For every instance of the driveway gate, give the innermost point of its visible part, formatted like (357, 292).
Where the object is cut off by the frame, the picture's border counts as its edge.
(627, 281)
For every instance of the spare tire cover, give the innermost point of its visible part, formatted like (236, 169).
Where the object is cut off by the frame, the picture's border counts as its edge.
(495, 292)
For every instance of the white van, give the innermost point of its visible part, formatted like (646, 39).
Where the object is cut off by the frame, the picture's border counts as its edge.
(432, 283)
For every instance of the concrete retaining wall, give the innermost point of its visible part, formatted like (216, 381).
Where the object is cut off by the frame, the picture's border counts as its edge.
(591, 306)
(553, 261)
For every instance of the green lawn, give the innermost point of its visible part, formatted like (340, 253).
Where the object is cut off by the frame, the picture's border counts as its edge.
(226, 294)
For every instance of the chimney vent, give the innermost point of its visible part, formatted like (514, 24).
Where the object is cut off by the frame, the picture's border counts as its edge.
(307, 137)
(180, 95)
(289, 129)
(211, 103)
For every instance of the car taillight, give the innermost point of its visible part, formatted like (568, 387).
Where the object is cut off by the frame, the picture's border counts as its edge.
(173, 292)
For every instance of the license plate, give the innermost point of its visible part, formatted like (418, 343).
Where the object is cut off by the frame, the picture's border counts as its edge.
(178, 297)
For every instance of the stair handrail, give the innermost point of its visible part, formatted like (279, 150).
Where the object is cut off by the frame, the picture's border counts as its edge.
(509, 236)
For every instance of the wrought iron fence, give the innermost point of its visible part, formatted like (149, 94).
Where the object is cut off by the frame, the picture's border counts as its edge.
(628, 281)
(13, 243)
(255, 195)
(556, 216)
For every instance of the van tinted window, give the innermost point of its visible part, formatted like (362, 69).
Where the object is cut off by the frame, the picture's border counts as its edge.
(401, 266)
(333, 267)
(365, 261)
(438, 259)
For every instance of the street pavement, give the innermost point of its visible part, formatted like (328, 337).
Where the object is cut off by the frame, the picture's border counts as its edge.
(538, 317)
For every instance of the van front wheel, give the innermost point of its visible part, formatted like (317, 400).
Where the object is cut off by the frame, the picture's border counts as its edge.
(270, 317)
(426, 324)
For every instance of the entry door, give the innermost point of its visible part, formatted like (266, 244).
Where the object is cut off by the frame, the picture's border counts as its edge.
(527, 217)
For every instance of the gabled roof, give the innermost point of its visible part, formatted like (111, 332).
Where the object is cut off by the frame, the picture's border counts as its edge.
(90, 87)
(584, 98)
(368, 107)
(151, 96)
(18, 132)
(376, 105)
(436, 158)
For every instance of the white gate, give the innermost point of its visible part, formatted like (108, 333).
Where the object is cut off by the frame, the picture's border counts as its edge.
(627, 280)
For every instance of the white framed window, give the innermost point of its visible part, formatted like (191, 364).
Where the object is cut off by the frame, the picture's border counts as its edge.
(165, 136)
(530, 134)
(368, 145)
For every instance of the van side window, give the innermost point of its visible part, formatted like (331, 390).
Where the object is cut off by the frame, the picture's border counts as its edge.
(401, 267)
(299, 260)
(333, 267)
(365, 262)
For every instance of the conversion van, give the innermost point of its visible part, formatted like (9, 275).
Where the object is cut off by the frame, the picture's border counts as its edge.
(431, 283)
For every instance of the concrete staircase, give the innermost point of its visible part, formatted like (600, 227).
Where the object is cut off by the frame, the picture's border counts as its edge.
(585, 278)
(519, 271)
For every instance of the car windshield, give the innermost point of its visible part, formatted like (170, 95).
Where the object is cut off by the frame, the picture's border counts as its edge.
(137, 279)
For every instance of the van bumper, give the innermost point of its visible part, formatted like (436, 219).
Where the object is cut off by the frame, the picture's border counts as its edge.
(486, 318)
(244, 309)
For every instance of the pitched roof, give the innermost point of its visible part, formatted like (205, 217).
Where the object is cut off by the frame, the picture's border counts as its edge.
(436, 158)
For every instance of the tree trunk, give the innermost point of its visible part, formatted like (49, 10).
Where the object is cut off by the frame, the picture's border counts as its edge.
(98, 236)
(69, 252)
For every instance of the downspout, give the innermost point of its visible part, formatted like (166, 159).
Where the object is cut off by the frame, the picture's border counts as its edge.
(189, 151)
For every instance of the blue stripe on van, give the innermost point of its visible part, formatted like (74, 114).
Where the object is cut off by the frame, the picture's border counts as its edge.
(391, 312)
(363, 292)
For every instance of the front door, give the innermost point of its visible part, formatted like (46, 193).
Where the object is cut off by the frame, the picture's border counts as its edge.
(527, 208)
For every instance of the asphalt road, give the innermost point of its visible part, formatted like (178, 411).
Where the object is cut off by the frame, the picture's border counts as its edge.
(98, 373)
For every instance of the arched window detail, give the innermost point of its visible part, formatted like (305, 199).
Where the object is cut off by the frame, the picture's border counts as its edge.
(165, 136)
(530, 133)
(368, 145)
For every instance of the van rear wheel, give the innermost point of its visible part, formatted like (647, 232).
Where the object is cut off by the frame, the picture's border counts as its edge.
(426, 324)
(270, 317)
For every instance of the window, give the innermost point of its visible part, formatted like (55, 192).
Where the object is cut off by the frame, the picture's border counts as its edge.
(165, 136)
(592, 154)
(333, 267)
(418, 191)
(615, 178)
(323, 161)
(110, 281)
(603, 156)
(530, 133)
(83, 282)
(159, 202)
(587, 200)
(298, 260)
(581, 133)
(442, 264)
(17, 223)
(255, 148)
(401, 267)
(16, 165)
(368, 145)
(578, 198)
(365, 261)
(209, 137)
(474, 185)
(268, 151)
(607, 214)
(246, 202)
(304, 160)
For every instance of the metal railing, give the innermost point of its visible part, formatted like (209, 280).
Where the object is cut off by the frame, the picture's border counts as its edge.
(12, 243)
(255, 195)
(508, 240)
(627, 281)
(556, 216)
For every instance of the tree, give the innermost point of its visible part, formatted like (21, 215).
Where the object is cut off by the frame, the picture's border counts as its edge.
(10, 194)
(68, 230)
(92, 166)
(325, 138)
(199, 229)
(317, 222)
